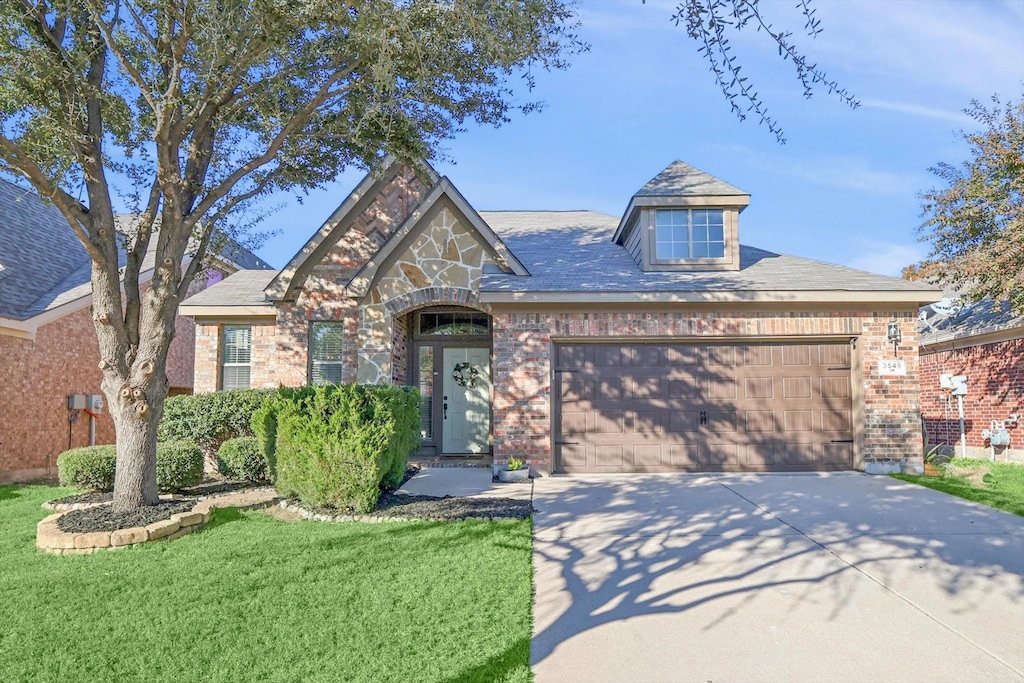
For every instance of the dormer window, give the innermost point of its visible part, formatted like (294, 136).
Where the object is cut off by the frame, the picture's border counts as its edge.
(684, 220)
(683, 234)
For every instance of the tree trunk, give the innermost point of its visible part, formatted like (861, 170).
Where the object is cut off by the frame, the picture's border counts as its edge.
(135, 477)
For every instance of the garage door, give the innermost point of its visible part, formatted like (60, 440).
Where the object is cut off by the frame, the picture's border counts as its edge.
(689, 407)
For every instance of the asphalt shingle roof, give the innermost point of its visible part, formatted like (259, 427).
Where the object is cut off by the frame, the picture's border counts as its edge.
(680, 180)
(243, 288)
(37, 249)
(44, 264)
(966, 321)
(568, 251)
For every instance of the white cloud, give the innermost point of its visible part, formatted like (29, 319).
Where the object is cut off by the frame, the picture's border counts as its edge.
(843, 172)
(917, 110)
(886, 258)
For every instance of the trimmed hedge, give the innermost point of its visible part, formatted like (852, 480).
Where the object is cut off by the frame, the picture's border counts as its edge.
(91, 467)
(179, 464)
(337, 446)
(208, 420)
(242, 458)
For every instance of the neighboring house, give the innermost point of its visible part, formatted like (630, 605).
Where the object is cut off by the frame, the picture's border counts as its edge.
(48, 347)
(985, 343)
(580, 341)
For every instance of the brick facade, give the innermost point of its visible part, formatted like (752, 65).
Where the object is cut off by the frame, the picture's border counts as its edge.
(36, 377)
(995, 385)
(523, 344)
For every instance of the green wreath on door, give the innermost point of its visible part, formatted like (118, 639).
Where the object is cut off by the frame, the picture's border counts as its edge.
(465, 375)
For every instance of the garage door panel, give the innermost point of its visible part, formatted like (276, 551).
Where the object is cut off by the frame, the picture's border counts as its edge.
(644, 387)
(606, 422)
(837, 455)
(608, 456)
(834, 355)
(761, 456)
(757, 421)
(720, 456)
(648, 456)
(835, 387)
(796, 387)
(836, 421)
(757, 355)
(693, 407)
(681, 422)
(797, 421)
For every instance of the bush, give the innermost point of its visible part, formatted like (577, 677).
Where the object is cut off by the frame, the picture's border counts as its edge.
(336, 446)
(208, 420)
(178, 464)
(242, 458)
(91, 467)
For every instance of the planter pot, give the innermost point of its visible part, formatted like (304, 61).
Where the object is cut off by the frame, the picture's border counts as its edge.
(932, 470)
(514, 475)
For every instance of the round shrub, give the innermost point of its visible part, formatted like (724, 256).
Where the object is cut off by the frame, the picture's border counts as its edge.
(242, 458)
(91, 467)
(178, 464)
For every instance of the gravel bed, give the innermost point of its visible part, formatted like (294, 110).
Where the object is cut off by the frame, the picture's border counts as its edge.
(105, 519)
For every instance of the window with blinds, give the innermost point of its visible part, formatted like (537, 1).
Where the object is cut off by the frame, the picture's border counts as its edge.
(236, 357)
(326, 342)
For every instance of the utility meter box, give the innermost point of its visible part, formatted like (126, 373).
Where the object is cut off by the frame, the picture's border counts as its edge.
(76, 402)
(95, 402)
(955, 384)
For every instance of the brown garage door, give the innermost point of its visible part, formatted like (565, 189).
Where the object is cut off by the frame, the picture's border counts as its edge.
(692, 407)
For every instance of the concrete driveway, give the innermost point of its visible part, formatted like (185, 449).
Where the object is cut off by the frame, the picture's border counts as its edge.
(802, 577)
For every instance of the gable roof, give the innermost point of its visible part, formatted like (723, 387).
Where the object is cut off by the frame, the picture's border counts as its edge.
(679, 179)
(45, 266)
(571, 253)
(363, 280)
(961, 323)
(290, 278)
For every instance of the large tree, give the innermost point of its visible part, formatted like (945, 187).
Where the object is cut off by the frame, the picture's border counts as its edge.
(975, 222)
(186, 111)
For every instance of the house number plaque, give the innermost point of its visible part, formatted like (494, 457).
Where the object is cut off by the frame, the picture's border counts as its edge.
(892, 367)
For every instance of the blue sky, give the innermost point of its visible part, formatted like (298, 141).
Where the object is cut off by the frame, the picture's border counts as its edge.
(844, 188)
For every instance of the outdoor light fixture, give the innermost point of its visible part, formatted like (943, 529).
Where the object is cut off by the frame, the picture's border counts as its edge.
(892, 331)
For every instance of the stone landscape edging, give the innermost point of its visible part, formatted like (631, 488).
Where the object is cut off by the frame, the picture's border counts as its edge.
(50, 538)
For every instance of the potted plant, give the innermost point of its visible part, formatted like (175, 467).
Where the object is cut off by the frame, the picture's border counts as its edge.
(517, 470)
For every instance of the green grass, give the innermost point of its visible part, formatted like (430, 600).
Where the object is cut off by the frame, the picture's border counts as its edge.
(253, 598)
(1003, 487)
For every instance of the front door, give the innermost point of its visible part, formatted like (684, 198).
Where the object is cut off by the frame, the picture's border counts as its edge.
(466, 400)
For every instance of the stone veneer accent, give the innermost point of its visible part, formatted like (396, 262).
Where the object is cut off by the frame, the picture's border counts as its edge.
(442, 264)
(50, 539)
(523, 344)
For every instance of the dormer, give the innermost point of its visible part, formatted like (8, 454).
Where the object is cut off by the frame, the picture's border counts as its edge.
(683, 219)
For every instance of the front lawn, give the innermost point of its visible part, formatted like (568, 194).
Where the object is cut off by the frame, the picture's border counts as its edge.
(254, 598)
(1001, 487)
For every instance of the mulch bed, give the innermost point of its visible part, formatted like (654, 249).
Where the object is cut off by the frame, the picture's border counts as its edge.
(104, 518)
(207, 488)
(449, 507)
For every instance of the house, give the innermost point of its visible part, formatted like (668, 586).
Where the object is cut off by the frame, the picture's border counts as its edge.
(983, 342)
(48, 348)
(580, 341)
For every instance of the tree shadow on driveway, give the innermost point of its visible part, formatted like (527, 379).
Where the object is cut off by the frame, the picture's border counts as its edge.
(689, 570)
